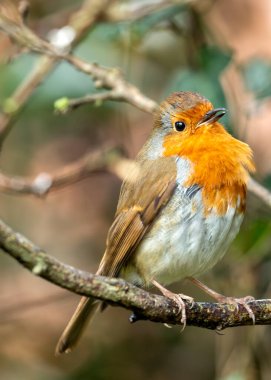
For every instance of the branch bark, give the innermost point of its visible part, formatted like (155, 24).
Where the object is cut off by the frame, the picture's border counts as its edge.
(117, 292)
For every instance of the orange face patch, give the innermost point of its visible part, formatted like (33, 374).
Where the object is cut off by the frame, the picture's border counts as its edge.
(192, 116)
(220, 163)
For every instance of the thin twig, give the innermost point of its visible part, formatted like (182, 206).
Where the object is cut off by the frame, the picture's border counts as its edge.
(64, 105)
(112, 78)
(118, 292)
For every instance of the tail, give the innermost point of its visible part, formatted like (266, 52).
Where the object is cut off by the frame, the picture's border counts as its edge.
(84, 312)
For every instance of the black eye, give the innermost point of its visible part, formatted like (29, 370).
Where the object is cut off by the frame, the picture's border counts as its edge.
(179, 126)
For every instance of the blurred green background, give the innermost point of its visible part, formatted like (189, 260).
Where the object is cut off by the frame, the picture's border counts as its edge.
(218, 48)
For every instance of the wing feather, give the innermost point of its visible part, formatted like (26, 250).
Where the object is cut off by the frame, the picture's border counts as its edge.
(140, 202)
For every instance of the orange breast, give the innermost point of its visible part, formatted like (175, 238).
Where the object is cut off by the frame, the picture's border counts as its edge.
(220, 165)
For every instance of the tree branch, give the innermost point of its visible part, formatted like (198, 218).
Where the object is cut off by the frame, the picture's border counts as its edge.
(117, 292)
(108, 159)
(12, 23)
(109, 78)
(135, 10)
(260, 191)
(64, 105)
(80, 22)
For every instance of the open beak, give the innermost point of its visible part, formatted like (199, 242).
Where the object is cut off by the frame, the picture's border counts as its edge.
(212, 116)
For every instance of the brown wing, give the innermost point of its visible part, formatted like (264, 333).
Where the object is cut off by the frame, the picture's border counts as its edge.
(146, 190)
(142, 196)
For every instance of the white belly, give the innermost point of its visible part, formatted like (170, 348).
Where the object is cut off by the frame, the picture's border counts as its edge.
(185, 244)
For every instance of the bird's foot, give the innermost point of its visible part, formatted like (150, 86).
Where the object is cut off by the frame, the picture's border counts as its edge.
(179, 299)
(238, 301)
(224, 299)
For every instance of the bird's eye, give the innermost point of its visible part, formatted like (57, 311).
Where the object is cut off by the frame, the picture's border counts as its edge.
(179, 126)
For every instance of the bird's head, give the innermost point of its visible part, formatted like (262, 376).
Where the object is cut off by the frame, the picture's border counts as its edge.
(187, 115)
(187, 126)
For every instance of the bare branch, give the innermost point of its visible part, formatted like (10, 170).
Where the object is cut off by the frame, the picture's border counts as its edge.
(135, 10)
(103, 160)
(108, 159)
(64, 105)
(145, 305)
(80, 22)
(112, 79)
(260, 191)
(11, 22)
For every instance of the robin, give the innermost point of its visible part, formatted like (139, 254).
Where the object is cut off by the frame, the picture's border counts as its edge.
(179, 208)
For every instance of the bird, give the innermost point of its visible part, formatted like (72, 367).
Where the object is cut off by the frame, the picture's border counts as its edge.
(179, 208)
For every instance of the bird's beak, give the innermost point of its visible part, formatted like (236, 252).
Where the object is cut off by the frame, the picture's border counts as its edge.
(212, 116)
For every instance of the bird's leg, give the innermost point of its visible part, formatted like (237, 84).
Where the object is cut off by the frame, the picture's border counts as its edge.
(224, 299)
(178, 298)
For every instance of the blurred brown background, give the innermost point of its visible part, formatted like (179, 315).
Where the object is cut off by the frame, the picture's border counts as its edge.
(219, 48)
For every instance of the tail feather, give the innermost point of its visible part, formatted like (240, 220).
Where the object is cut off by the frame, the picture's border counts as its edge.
(84, 312)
